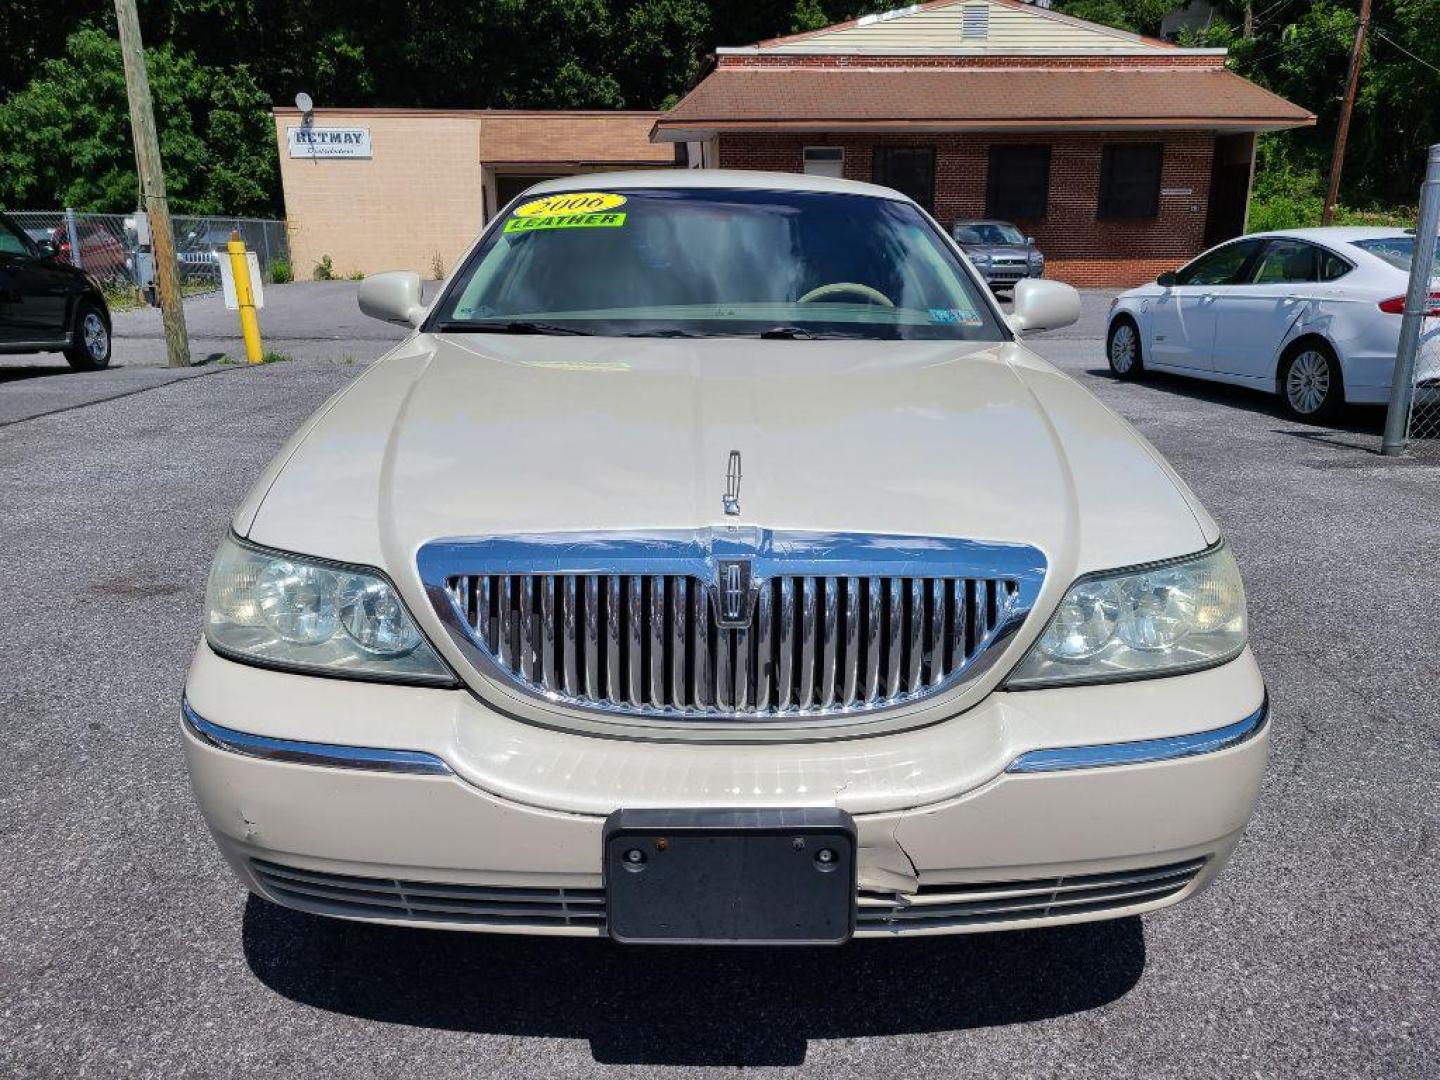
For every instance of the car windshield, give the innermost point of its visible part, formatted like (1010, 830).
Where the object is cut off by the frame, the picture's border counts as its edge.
(988, 232)
(712, 262)
(1398, 251)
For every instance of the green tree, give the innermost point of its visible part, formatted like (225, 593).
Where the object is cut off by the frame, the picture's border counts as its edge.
(65, 138)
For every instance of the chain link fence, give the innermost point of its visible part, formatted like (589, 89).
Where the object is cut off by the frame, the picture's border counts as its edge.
(1423, 430)
(108, 247)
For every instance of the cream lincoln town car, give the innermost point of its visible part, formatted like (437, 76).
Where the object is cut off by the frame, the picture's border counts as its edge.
(715, 564)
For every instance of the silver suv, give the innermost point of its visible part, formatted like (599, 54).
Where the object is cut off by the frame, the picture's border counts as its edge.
(999, 251)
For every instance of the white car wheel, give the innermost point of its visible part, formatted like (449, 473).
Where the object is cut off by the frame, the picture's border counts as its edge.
(1124, 349)
(1312, 384)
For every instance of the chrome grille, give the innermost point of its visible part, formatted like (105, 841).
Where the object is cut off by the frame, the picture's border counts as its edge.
(651, 643)
(808, 626)
(389, 898)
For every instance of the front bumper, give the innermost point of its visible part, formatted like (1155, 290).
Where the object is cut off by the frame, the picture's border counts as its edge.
(506, 834)
(1004, 275)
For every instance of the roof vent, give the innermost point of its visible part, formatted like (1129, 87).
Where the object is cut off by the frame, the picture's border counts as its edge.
(975, 22)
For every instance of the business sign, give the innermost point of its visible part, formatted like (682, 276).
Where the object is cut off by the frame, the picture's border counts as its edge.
(329, 142)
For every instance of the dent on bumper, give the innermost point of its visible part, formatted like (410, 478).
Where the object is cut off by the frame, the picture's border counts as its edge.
(416, 762)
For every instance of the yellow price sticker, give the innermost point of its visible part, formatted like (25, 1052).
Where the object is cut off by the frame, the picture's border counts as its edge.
(570, 202)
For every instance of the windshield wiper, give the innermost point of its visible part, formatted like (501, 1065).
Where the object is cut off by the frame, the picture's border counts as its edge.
(786, 333)
(462, 326)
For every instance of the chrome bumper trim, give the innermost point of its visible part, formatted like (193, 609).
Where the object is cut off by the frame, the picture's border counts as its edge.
(1065, 758)
(373, 759)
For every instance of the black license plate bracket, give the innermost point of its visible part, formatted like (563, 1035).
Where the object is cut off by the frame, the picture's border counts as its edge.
(738, 877)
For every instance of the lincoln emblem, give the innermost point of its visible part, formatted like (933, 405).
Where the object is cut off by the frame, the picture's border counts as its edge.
(732, 593)
(732, 485)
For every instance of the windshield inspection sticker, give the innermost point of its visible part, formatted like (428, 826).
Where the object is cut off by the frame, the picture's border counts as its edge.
(957, 316)
(569, 210)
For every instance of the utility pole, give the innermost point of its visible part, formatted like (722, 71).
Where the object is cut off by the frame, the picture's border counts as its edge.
(1352, 81)
(1249, 31)
(152, 184)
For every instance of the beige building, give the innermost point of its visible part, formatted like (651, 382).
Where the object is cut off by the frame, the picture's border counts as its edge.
(409, 189)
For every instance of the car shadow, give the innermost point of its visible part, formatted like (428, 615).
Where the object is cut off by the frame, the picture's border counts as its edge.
(1353, 420)
(689, 1006)
(31, 371)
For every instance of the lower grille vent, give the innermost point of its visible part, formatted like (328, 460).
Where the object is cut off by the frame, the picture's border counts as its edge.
(363, 897)
(929, 907)
(976, 904)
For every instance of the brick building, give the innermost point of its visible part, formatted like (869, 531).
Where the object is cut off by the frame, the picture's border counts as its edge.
(1122, 155)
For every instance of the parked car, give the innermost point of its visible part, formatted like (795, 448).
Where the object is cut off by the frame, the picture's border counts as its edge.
(1310, 314)
(47, 305)
(102, 255)
(203, 248)
(1000, 251)
(714, 563)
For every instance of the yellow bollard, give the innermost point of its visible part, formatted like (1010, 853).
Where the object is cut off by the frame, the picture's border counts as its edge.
(249, 324)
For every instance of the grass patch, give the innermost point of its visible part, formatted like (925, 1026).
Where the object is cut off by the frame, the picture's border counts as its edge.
(270, 357)
(121, 297)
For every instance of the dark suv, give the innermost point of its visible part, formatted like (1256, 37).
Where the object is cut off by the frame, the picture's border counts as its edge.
(1000, 251)
(48, 305)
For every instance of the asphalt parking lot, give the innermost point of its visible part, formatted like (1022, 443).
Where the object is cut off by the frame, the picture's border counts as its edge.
(126, 948)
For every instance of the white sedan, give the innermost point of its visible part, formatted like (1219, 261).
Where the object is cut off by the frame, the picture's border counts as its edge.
(1310, 314)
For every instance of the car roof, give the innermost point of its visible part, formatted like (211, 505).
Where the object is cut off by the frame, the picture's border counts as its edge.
(1340, 234)
(747, 179)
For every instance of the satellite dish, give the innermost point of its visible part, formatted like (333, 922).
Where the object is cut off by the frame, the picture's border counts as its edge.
(303, 102)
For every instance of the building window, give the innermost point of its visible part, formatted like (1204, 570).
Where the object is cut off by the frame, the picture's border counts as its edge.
(1130, 180)
(1017, 184)
(975, 22)
(825, 160)
(910, 170)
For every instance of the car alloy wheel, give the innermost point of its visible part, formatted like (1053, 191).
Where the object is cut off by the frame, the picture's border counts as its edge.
(97, 338)
(1122, 348)
(1308, 383)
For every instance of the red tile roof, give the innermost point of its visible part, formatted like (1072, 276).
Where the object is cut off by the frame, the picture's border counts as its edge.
(861, 98)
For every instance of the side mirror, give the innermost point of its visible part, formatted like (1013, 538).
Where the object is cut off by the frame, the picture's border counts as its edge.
(1043, 305)
(1029, 241)
(393, 297)
(1166, 280)
(48, 248)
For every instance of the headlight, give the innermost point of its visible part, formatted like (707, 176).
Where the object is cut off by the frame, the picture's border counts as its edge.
(1036, 259)
(1133, 624)
(274, 608)
(979, 257)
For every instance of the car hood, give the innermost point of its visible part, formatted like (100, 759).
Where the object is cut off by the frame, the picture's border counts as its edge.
(466, 435)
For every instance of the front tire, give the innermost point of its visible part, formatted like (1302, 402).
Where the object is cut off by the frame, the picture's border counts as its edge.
(90, 344)
(1311, 383)
(1122, 347)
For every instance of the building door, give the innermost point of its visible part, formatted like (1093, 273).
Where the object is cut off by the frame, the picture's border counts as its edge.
(508, 185)
(910, 170)
(1229, 187)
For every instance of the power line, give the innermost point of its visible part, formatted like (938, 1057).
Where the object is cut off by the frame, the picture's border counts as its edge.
(1295, 44)
(1419, 60)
